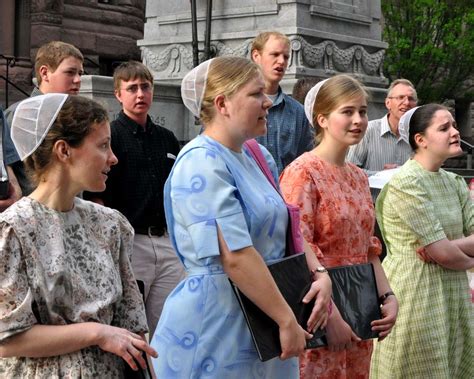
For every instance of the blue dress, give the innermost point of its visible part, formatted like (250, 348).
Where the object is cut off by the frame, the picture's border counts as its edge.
(202, 332)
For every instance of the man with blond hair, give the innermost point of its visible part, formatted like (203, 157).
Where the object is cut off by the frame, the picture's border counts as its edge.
(382, 147)
(288, 131)
(58, 69)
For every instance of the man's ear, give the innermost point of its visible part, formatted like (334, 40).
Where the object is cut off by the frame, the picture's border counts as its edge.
(43, 71)
(387, 103)
(62, 150)
(118, 96)
(255, 56)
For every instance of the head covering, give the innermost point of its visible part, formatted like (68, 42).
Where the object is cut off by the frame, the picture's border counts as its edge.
(193, 87)
(33, 119)
(404, 125)
(310, 99)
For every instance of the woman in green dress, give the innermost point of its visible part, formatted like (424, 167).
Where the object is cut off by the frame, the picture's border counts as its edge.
(427, 219)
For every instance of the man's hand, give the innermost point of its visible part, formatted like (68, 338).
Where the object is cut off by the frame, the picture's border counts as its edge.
(389, 166)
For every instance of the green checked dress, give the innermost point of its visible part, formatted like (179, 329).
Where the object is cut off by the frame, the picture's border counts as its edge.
(434, 333)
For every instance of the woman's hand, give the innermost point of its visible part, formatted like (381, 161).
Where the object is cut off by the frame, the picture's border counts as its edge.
(339, 334)
(423, 255)
(389, 315)
(125, 344)
(292, 339)
(321, 289)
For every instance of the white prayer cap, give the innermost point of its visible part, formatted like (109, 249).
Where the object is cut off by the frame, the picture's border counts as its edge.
(404, 125)
(32, 120)
(193, 87)
(310, 99)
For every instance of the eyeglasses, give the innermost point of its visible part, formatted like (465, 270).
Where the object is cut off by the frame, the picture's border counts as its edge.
(401, 98)
(145, 87)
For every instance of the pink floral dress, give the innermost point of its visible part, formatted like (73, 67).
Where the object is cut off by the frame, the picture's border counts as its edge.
(337, 220)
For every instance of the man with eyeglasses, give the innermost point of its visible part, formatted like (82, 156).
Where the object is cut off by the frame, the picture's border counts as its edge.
(146, 153)
(382, 147)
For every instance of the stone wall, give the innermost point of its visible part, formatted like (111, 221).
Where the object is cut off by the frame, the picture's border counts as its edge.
(106, 31)
(327, 37)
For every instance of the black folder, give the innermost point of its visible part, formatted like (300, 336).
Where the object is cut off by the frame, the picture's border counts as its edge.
(354, 293)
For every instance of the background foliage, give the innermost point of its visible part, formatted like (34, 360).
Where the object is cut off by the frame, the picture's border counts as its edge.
(431, 43)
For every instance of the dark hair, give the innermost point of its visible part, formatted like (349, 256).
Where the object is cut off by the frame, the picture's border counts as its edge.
(421, 120)
(74, 122)
(302, 87)
(131, 70)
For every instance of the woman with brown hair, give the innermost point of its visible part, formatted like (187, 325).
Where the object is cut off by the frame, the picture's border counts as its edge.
(70, 306)
(426, 210)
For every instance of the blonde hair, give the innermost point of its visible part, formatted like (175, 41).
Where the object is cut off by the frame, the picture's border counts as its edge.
(261, 39)
(332, 94)
(52, 54)
(225, 77)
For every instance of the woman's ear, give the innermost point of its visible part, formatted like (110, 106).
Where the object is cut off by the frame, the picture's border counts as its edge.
(322, 121)
(220, 104)
(420, 140)
(62, 150)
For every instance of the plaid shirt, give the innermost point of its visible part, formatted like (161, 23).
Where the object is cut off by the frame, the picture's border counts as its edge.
(289, 133)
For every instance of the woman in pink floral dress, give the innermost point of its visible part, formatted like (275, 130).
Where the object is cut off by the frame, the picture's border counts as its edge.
(337, 218)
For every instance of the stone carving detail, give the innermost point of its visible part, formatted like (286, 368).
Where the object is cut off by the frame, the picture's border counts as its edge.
(170, 59)
(220, 49)
(176, 59)
(328, 56)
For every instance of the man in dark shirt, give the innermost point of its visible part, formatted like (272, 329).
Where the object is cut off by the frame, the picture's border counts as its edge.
(146, 153)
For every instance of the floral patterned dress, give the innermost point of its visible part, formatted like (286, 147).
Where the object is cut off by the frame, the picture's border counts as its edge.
(59, 268)
(337, 220)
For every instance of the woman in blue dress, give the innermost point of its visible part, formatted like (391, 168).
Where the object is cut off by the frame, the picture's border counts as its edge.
(227, 221)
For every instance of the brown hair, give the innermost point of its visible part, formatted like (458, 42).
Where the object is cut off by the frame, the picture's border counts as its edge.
(336, 90)
(302, 87)
(131, 70)
(261, 39)
(420, 120)
(225, 77)
(74, 122)
(396, 82)
(52, 54)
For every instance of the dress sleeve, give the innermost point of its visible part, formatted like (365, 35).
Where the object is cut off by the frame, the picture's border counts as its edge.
(467, 206)
(130, 310)
(298, 188)
(414, 208)
(16, 297)
(204, 196)
(375, 246)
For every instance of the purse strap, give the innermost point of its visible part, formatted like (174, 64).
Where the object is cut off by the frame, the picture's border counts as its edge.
(294, 238)
(256, 153)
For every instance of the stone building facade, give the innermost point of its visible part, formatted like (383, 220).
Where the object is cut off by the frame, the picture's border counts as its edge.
(106, 32)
